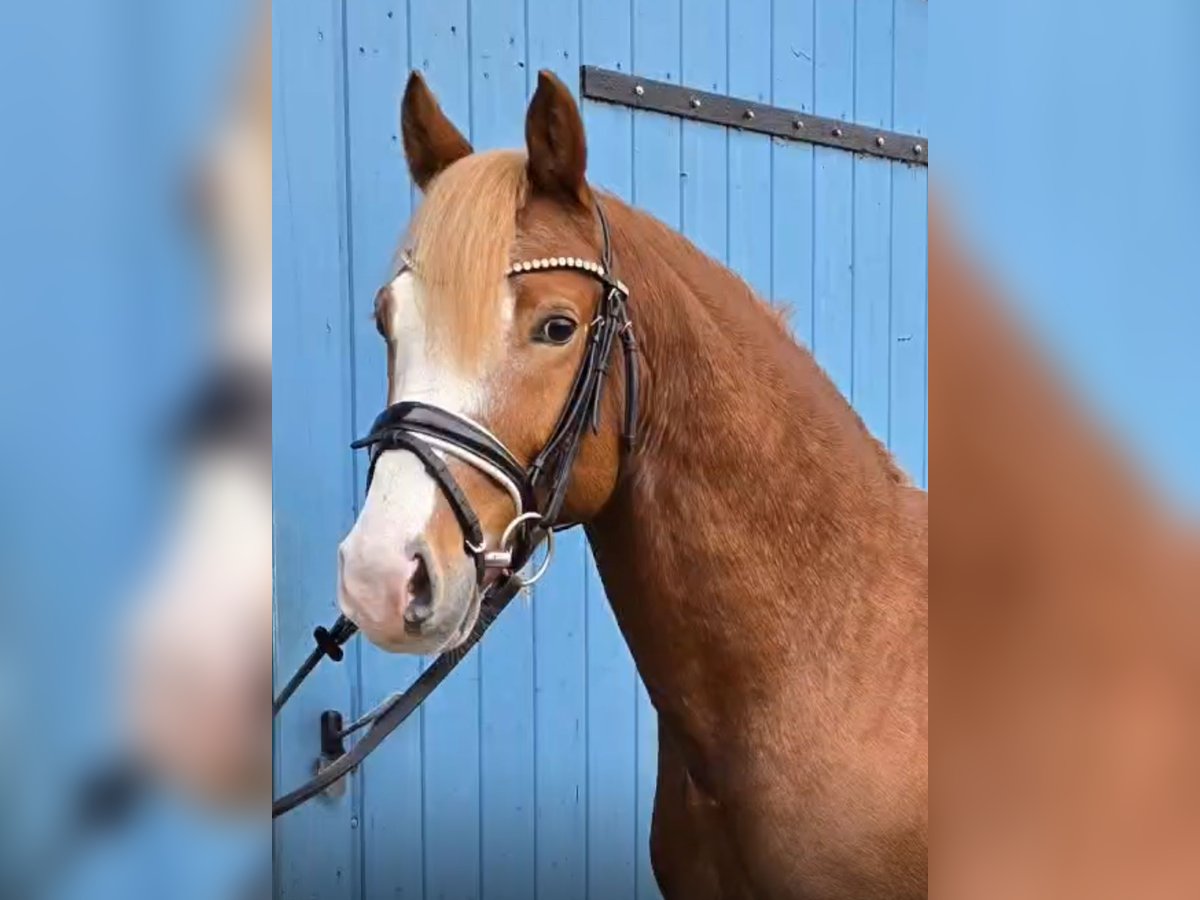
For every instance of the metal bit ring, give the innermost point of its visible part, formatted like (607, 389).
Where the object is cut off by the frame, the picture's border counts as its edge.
(507, 536)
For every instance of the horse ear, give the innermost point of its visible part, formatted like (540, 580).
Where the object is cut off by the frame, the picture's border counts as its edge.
(555, 140)
(431, 142)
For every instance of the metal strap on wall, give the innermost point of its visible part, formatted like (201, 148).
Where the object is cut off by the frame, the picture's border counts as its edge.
(720, 109)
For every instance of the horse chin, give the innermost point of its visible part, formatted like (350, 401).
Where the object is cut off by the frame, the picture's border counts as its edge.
(458, 612)
(457, 605)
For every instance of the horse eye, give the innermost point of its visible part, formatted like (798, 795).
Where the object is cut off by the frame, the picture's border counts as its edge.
(555, 330)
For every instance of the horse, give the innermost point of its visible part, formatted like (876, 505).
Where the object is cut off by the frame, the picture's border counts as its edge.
(764, 556)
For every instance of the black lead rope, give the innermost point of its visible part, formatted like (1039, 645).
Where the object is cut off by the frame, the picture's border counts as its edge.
(404, 426)
(329, 643)
(396, 711)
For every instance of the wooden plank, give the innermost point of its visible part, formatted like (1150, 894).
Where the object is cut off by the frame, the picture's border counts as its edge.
(870, 374)
(559, 611)
(792, 168)
(705, 147)
(833, 296)
(749, 188)
(907, 434)
(317, 852)
(387, 789)
(561, 787)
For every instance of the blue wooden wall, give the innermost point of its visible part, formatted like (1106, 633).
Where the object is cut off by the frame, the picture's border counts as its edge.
(531, 772)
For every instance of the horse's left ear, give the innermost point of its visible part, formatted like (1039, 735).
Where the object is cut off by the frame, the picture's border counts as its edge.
(555, 141)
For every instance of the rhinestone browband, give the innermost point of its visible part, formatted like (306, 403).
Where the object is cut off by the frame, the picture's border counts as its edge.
(544, 264)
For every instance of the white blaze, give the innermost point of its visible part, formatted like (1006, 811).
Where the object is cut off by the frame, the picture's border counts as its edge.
(402, 497)
(401, 500)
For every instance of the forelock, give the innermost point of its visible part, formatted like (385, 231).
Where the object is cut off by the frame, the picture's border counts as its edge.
(460, 243)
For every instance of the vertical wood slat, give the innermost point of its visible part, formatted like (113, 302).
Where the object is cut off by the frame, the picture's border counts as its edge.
(388, 791)
(907, 431)
(793, 79)
(749, 173)
(872, 200)
(833, 295)
(705, 155)
(316, 849)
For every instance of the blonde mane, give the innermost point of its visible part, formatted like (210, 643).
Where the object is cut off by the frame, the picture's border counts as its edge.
(459, 243)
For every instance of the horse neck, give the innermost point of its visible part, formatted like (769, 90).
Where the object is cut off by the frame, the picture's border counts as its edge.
(750, 517)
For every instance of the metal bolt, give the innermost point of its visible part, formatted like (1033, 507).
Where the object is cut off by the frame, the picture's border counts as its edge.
(837, 132)
(354, 822)
(918, 149)
(879, 141)
(639, 90)
(695, 103)
(749, 114)
(797, 124)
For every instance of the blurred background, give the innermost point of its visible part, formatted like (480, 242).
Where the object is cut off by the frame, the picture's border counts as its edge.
(1064, 396)
(122, 298)
(1066, 153)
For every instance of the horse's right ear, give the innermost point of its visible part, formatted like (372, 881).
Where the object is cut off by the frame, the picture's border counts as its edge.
(431, 142)
(555, 141)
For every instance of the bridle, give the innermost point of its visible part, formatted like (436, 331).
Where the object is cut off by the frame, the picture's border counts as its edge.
(538, 493)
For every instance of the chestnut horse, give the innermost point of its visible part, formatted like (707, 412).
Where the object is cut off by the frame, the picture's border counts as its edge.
(765, 558)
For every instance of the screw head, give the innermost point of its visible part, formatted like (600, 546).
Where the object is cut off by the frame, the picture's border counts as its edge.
(695, 101)
(918, 149)
(797, 124)
(748, 114)
(879, 141)
(837, 132)
(639, 90)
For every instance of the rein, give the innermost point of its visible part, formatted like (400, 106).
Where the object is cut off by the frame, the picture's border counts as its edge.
(423, 430)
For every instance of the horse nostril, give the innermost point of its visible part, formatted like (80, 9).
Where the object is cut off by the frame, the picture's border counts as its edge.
(420, 606)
